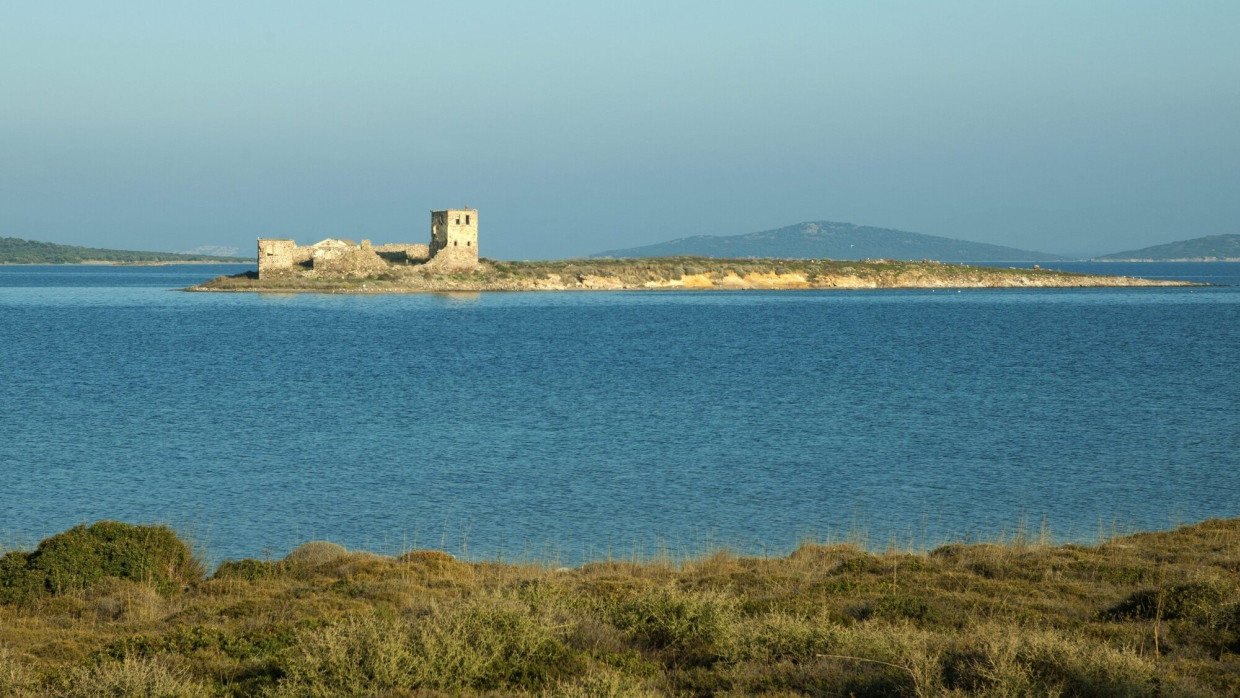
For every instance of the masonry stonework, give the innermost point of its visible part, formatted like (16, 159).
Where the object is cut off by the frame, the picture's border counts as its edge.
(274, 254)
(454, 237)
(453, 246)
(400, 251)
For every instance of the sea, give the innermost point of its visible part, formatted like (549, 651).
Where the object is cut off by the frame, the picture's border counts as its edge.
(561, 427)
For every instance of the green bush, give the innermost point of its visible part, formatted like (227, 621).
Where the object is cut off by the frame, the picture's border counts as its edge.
(249, 569)
(488, 647)
(694, 628)
(83, 555)
(997, 660)
(160, 676)
(1192, 600)
(779, 637)
(17, 580)
(315, 552)
(896, 607)
(485, 646)
(17, 676)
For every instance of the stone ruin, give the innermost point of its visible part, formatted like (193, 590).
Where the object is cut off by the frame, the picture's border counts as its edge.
(453, 247)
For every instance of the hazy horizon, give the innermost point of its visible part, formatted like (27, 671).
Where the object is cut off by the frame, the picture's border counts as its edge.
(1067, 128)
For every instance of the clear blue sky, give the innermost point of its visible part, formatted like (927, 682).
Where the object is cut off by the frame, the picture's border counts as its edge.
(1072, 127)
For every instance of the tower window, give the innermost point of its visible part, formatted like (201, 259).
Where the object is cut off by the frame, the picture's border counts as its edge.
(467, 243)
(458, 220)
(466, 219)
(454, 243)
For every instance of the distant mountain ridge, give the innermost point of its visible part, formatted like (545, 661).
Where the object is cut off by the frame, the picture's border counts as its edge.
(832, 240)
(1222, 248)
(212, 251)
(19, 251)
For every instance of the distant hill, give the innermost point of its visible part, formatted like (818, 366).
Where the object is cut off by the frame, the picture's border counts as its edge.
(212, 251)
(826, 240)
(1207, 249)
(18, 251)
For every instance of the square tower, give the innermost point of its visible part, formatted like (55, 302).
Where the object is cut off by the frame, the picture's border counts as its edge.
(274, 255)
(454, 236)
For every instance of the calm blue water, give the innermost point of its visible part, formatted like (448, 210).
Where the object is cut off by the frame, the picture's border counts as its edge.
(571, 425)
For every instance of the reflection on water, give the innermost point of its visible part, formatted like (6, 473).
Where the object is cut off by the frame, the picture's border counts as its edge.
(451, 297)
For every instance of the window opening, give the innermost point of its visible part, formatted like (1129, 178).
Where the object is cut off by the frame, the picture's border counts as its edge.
(466, 219)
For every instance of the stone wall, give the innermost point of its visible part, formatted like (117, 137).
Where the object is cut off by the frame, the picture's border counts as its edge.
(303, 255)
(274, 255)
(411, 253)
(453, 247)
(359, 260)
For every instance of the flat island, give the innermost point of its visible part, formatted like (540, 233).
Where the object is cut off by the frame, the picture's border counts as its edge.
(450, 262)
(687, 273)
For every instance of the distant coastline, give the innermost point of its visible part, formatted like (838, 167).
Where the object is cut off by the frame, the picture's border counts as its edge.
(19, 251)
(1147, 260)
(1211, 248)
(111, 263)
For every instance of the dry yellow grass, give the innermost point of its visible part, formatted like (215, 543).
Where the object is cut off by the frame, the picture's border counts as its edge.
(1148, 614)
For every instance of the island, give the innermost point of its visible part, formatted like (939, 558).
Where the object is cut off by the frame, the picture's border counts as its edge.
(19, 251)
(450, 263)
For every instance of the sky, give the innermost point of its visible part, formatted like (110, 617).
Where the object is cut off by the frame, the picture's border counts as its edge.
(1077, 128)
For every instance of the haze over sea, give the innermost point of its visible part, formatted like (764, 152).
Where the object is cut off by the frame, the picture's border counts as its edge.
(569, 426)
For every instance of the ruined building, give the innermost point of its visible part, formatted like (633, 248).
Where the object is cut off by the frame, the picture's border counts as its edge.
(454, 236)
(453, 247)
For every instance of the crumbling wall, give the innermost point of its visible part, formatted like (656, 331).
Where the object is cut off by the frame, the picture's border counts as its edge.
(453, 247)
(274, 255)
(354, 261)
(455, 258)
(403, 252)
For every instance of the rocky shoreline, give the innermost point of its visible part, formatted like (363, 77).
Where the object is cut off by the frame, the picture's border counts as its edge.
(671, 273)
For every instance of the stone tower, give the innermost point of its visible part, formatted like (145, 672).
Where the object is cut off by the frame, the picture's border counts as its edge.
(274, 255)
(454, 237)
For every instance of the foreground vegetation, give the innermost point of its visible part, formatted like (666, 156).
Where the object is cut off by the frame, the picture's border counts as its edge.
(114, 609)
(669, 273)
(18, 251)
